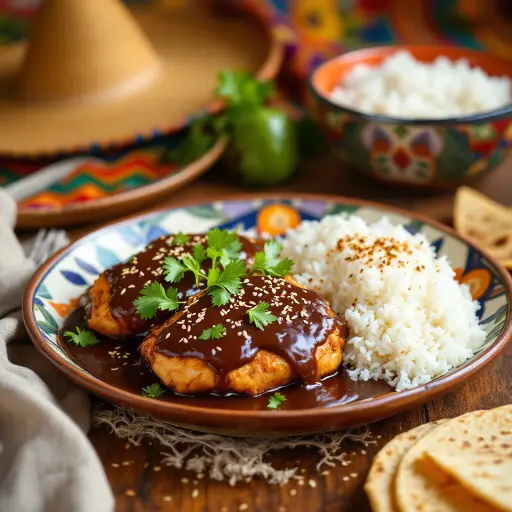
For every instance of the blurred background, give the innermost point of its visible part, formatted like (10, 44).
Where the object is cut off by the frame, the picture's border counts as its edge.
(81, 172)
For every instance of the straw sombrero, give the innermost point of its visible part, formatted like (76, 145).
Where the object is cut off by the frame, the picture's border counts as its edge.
(96, 74)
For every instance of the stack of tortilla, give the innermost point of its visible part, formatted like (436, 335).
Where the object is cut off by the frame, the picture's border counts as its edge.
(485, 222)
(458, 465)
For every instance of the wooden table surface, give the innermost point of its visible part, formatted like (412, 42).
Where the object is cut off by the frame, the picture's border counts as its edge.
(145, 485)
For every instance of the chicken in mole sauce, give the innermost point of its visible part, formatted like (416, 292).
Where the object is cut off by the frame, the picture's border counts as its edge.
(109, 302)
(244, 347)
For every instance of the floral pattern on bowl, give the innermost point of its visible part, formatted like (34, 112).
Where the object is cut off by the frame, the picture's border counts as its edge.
(78, 266)
(426, 153)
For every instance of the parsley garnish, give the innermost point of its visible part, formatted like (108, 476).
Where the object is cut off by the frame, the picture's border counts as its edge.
(213, 333)
(260, 316)
(180, 239)
(222, 284)
(153, 391)
(153, 297)
(82, 338)
(276, 400)
(223, 246)
(267, 262)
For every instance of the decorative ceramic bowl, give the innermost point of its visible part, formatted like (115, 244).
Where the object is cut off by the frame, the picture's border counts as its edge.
(52, 293)
(418, 152)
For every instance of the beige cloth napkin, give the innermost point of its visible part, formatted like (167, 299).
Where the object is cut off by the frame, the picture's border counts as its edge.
(46, 460)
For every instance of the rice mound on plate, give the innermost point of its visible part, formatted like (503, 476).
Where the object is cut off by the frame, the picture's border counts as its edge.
(409, 320)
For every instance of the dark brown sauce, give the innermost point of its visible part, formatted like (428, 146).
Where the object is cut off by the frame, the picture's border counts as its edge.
(303, 322)
(118, 364)
(127, 279)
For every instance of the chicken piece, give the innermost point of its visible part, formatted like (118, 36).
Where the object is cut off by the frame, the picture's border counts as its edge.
(305, 342)
(109, 301)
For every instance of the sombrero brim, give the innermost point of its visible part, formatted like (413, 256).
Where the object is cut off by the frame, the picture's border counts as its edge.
(193, 47)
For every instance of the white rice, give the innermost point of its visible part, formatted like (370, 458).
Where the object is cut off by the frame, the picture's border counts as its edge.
(409, 320)
(404, 87)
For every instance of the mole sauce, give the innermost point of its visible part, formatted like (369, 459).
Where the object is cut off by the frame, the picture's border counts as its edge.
(304, 321)
(118, 364)
(127, 279)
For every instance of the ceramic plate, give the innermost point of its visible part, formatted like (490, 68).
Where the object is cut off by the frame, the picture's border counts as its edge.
(64, 277)
(126, 180)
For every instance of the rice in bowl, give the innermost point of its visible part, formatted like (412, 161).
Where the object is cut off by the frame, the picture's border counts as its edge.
(409, 320)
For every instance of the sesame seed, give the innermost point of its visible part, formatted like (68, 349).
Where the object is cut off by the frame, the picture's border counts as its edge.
(184, 480)
(130, 493)
(195, 494)
(167, 498)
(312, 483)
(114, 465)
(292, 492)
(127, 446)
(353, 475)
(346, 478)
(243, 507)
(157, 468)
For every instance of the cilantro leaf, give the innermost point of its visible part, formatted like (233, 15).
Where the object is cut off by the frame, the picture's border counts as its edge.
(198, 140)
(82, 338)
(276, 400)
(173, 269)
(268, 262)
(219, 296)
(260, 316)
(199, 253)
(180, 239)
(153, 297)
(241, 88)
(223, 284)
(213, 333)
(153, 391)
(223, 245)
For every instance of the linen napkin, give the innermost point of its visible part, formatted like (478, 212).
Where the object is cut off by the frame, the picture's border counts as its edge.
(46, 460)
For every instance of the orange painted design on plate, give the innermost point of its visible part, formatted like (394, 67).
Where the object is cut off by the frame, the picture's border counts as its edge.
(478, 280)
(275, 219)
(63, 310)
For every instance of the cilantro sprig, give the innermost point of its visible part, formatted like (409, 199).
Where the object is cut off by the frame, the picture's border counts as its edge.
(267, 262)
(180, 239)
(216, 332)
(223, 279)
(221, 285)
(153, 391)
(175, 269)
(276, 400)
(82, 337)
(154, 297)
(223, 246)
(260, 316)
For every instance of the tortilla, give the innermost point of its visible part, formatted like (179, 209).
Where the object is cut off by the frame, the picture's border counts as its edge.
(486, 474)
(486, 222)
(421, 485)
(380, 480)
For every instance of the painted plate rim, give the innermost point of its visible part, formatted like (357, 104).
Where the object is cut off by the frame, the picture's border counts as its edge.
(119, 203)
(393, 402)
